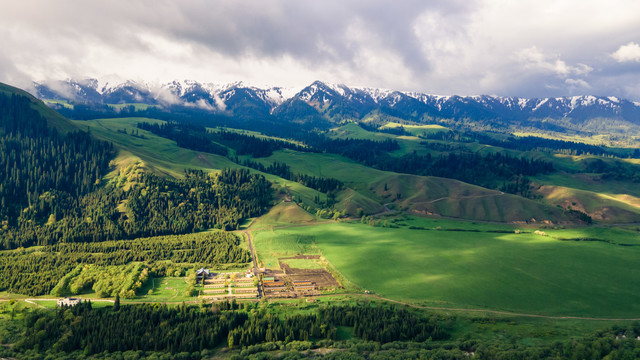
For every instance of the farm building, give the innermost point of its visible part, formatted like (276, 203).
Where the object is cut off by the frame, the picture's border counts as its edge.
(68, 301)
(269, 279)
(202, 274)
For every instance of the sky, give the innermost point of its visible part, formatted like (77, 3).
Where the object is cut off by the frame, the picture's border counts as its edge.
(523, 48)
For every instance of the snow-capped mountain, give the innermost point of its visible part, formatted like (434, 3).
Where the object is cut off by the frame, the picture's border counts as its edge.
(339, 101)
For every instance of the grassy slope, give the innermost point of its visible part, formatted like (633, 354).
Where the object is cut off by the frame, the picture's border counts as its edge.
(606, 201)
(601, 207)
(159, 153)
(163, 156)
(284, 213)
(515, 272)
(416, 130)
(417, 193)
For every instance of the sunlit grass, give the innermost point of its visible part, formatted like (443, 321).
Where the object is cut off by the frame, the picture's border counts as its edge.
(525, 272)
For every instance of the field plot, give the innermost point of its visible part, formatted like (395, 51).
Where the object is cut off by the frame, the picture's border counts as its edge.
(161, 289)
(229, 285)
(490, 269)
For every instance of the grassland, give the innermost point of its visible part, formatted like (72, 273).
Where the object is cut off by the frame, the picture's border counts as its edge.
(164, 289)
(284, 213)
(275, 244)
(303, 263)
(416, 130)
(490, 268)
(424, 194)
(160, 154)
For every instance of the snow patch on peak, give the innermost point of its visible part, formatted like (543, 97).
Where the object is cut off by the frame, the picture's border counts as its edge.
(375, 93)
(588, 100)
(544, 101)
(522, 103)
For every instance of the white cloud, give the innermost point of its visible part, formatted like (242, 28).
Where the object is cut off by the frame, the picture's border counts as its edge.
(627, 53)
(524, 48)
(535, 59)
(577, 83)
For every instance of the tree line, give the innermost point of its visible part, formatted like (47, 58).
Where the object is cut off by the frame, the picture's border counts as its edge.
(322, 184)
(188, 136)
(192, 328)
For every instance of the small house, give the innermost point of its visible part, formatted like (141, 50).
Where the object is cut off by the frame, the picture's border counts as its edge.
(202, 274)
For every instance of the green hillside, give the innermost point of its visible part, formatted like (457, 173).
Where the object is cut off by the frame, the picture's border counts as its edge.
(53, 118)
(420, 194)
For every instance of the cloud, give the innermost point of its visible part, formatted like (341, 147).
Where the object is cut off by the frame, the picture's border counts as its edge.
(534, 58)
(523, 48)
(627, 53)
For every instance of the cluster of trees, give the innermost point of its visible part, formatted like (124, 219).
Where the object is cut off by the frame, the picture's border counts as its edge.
(207, 248)
(192, 328)
(139, 327)
(360, 150)
(122, 281)
(380, 332)
(188, 136)
(197, 137)
(252, 145)
(322, 184)
(382, 324)
(612, 170)
(32, 274)
(150, 207)
(37, 273)
(35, 158)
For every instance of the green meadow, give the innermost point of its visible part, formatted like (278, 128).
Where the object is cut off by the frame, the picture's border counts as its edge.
(416, 130)
(164, 289)
(496, 267)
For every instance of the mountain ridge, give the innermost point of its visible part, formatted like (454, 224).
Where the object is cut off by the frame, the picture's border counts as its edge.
(338, 101)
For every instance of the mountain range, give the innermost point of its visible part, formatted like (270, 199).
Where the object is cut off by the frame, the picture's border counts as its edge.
(337, 102)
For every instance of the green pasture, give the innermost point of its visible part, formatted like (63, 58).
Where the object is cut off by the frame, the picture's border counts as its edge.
(590, 182)
(417, 130)
(407, 144)
(159, 153)
(303, 263)
(524, 272)
(426, 194)
(272, 245)
(284, 213)
(164, 289)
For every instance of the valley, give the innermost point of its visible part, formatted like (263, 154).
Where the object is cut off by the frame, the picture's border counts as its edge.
(530, 242)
